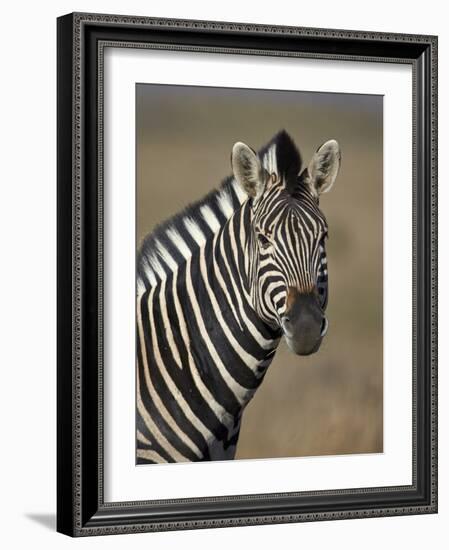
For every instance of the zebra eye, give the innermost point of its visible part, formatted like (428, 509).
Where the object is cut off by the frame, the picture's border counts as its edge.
(263, 241)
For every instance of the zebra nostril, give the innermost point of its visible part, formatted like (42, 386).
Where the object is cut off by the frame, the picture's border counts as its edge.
(286, 326)
(324, 327)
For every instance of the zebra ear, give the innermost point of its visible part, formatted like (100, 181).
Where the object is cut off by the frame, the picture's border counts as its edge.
(323, 169)
(248, 170)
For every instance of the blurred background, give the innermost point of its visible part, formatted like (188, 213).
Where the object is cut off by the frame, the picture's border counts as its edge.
(330, 402)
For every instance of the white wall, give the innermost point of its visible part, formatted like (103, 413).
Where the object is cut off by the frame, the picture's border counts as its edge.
(27, 233)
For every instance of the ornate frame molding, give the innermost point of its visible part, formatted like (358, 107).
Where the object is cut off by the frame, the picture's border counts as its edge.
(81, 42)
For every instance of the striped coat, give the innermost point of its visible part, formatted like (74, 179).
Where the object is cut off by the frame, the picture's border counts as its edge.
(211, 310)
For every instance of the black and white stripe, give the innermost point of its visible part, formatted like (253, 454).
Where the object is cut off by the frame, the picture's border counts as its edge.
(212, 288)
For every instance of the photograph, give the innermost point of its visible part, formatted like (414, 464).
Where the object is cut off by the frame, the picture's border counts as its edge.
(220, 276)
(246, 273)
(259, 273)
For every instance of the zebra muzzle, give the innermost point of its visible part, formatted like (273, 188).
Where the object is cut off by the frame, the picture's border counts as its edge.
(304, 323)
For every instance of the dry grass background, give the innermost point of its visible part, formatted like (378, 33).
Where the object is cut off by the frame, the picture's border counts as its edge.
(330, 402)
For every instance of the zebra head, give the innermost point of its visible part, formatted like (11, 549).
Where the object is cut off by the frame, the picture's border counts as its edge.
(285, 252)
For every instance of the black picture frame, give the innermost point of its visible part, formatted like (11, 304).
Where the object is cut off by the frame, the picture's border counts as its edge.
(81, 509)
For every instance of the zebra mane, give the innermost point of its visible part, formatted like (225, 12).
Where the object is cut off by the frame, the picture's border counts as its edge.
(282, 157)
(162, 251)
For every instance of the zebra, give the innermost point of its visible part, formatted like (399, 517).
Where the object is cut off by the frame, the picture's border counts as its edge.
(218, 286)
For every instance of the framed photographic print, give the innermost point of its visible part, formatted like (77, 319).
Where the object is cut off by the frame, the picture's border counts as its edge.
(247, 288)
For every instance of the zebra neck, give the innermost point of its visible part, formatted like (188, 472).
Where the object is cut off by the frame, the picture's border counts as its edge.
(229, 270)
(245, 345)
